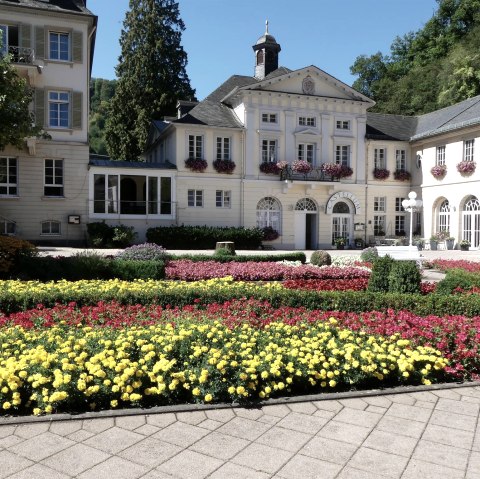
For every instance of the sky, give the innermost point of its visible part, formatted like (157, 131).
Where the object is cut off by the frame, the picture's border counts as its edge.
(219, 34)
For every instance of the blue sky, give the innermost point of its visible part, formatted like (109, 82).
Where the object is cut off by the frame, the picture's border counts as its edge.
(220, 33)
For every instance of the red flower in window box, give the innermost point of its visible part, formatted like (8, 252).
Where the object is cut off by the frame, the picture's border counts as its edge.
(301, 166)
(196, 164)
(345, 171)
(224, 166)
(402, 175)
(381, 173)
(269, 168)
(466, 167)
(439, 171)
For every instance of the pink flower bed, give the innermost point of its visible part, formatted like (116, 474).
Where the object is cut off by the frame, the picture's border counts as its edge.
(444, 264)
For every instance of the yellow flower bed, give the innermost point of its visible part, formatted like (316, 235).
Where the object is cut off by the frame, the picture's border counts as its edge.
(68, 369)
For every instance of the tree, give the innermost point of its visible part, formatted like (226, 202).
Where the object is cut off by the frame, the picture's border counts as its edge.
(151, 75)
(16, 121)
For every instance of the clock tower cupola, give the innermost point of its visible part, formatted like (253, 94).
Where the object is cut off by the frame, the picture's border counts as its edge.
(266, 54)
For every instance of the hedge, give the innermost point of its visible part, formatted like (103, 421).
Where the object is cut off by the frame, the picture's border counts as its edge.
(257, 258)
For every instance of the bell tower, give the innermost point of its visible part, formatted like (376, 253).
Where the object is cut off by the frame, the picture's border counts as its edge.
(266, 54)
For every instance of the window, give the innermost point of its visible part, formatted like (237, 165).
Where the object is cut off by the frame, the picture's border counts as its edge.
(7, 227)
(379, 225)
(222, 199)
(307, 121)
(132, 194)
(379, 203)
(269, 213)
(260, 57)
(53, 179)
(269, 118)
(399, 225)
(398, 204)
(195, 146)
(343, 125)
(269, 151)
(440, 156)
(342, 155)
(51, 228)
(306, 152)
(379, 159)
(468, 150)
(59, 46)
(223, 148)
(400, 160)
(195, 198)
(444, 216)
(58, 109)
(8, 177)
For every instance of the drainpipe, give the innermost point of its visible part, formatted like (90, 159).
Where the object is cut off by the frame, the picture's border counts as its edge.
(242, 181)
(366, 192)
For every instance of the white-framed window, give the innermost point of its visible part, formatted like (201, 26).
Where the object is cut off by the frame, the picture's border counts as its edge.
(379, 203)
(398, 204)
(269, 151)
(468, 150)
(440, 155)
(7, 227)
(379, 158)
(401, 160)
(59, 46)
(306, 152)
(307, 121)
(58, 109)
(195, 146)
(195, 198)
(53, 178)
(269, 213)
(399, 225)
(8, 177)
(342, 155)
(269, 118)
(51, 228)
(444, 216)
(379, 225)
(223, 148)
(223, 199)
(342, 124)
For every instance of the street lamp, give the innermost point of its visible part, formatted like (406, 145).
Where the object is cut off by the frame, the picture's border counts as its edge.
(411, 206)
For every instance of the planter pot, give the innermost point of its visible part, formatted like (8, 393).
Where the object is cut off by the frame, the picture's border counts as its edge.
(449, 244)
(433, 245)
(464, 248)
(340, 246)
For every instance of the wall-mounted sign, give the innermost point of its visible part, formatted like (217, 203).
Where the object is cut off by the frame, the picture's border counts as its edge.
(73, 219)
(339, 196)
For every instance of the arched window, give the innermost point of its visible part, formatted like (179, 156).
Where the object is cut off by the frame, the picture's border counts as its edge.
(306, 204)
(269, 213)
(444, 216)
(51, 228)
(260, 57)
(341, 207)
(471, 221)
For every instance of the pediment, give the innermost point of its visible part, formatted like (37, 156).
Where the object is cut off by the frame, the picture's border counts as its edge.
(307, 131)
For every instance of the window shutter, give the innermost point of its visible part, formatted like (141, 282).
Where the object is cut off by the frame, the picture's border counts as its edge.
(77, 110)
(25, 36)
(40, 107)
(77, 47)
(39, 42)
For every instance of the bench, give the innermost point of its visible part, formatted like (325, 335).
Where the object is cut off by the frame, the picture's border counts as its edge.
(400, 252)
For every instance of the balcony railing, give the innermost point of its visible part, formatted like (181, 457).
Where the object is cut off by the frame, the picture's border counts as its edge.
(315, 174)
(22, 55)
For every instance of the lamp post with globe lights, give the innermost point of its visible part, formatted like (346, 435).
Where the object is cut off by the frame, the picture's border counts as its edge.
(411, 206)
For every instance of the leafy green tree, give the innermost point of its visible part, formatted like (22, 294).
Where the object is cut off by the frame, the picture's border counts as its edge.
(16, 121)
(151, 75)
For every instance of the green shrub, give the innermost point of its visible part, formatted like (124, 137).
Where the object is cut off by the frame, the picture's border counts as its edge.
(369, 255)
(404, 277)
(380, 271)
(123, 236)
(146, 251)
(458, 279)
(128, 269)
(101, 235)
(320, 258)
(223, 253)
(14, 251)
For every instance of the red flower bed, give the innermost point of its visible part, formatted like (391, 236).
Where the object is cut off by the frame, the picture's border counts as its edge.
(444, 264)
(357, 284)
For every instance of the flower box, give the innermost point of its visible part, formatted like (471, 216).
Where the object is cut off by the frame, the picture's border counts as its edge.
(331, 169)
(402, 175)
(345, 171)
(196, 164)
(224, 166)
(439, 171)
(466, 167)
(381, 173)
(301, 166)
(269, 168)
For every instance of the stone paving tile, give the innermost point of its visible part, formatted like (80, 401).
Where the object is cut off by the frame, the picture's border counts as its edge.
(38, 471)
(448, 436)
(343, 432)
(50, 444)
(236, 471)
(220, 415)
(380, 401)
(303, 467)
(114, 440)
(452, 420)
(6, 431)
(378, 462)
(351, 473)
(161, 420)
(357, 417)
(424, 470)
(27, 431)
(147, 430)
(150, 452)
(354, 403)
(262, 458)
(180, 434)
(115, 467)
(329, 450)
(252, 414)
(476, 442)
(267, 419)
(442, 455)
(425, 404)
(98, 425)
(130, 422)
(447, 393)
(11, 463)
(80, 436)
(376, 409)
(190, 465)
(401, 426)
(333, 406)
(10, 441)
(401, 399)
(220, 445)
(282, 438)
(244, 428)
(470, 392)
(64, 428)
(156, 474)
(191, 417)
(391, 442)
(75, 459)
(426, 396)
(210, 424)
(277, 410)
(411, 413)
(302, 407)
(470, 399)
(474, 464)
(324, 414)
(302, 423)
(458, 407)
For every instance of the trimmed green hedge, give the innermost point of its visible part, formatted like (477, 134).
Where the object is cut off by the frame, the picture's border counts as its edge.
(242, 258)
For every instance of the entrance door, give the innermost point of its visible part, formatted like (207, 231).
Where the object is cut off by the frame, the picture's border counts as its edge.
(341, 222)
(471, 222)
(305, 224)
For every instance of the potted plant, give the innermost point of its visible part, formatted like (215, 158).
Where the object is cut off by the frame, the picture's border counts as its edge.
(345, 171)
(196, 164)
(224, 166)
(439, 171)
(464, 245)
(402, 175)
(301, 166)
(269, 168)
(466, 167)
(450, 242)
(340, 242)
(381, 173)
(433, 242)
(419, 242)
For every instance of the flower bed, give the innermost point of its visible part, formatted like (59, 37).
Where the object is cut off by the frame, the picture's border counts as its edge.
(357, 284)
(446, 264)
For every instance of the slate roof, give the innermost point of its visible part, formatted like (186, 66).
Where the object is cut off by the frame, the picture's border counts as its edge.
(390, 127)
(107, 163)
(64, 6)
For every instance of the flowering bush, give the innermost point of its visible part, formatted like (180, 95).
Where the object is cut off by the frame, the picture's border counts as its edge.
(196, 164)
(269, 168)
(301, 166)
(224, 166)
(12, 250)
(381, 173)
(143, 252)
(357, 284)
(402, 175)
(439, 171)
(466, 167)
(331, 169)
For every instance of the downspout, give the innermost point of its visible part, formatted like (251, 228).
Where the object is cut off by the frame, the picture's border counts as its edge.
(242, 181)
(366, 192)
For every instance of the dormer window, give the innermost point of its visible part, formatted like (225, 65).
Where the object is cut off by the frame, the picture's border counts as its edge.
(269, 118)
(307, 121)
(343, 125)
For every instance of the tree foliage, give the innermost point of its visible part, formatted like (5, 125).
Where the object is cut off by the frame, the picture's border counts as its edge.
(434, 67)
(151, 75)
